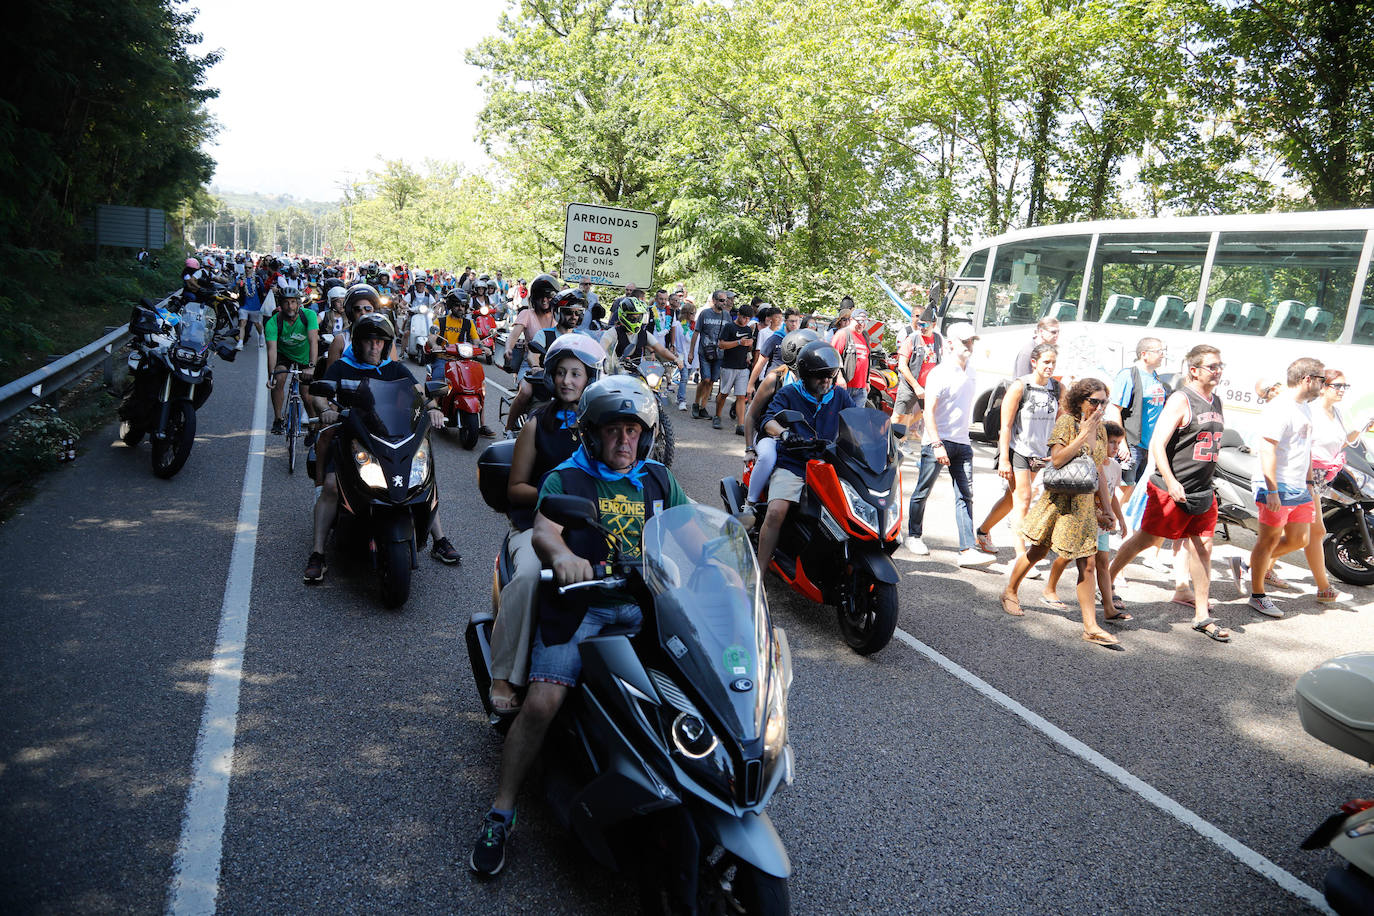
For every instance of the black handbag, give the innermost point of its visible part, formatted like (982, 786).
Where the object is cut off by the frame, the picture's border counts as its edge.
(1078, 476)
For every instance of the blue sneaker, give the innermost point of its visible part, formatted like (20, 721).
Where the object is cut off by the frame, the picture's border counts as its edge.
(489, 852)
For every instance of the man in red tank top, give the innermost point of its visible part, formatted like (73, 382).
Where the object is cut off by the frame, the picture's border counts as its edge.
(1180, 504)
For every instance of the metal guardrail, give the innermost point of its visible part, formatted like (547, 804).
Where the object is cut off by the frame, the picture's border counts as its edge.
(42, 383)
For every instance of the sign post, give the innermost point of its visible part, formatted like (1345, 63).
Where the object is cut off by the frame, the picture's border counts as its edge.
(609, 246)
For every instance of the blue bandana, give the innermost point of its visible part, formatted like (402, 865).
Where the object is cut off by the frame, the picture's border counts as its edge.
(568, 418)
(584, 462)
(351, 360)
(801, 387)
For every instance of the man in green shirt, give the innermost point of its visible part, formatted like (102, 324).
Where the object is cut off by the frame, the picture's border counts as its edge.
(293, 339)
(617, 418)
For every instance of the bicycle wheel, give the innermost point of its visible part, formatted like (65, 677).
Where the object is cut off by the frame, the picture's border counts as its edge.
(293, 431)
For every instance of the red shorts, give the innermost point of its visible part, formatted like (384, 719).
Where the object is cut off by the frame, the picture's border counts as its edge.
(1166, 519)
(1305, 513)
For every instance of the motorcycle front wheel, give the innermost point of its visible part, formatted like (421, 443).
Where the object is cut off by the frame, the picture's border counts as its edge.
(467, 430)
(394, 563)
(171, 451)
(873, 619)
(129, 434)
(1346, 558)
(665, 442)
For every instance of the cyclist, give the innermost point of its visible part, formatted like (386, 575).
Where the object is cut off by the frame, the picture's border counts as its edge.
(368, 356)
(293, 340)
(617, 418)
(572, 363)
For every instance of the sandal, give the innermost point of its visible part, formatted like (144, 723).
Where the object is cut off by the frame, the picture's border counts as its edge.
(1117, 604)
(1208, 627)
(1053, 603)
(1188, 603)
(1012, 606)
(504, 706)
(1118, 618)
(1105, 640)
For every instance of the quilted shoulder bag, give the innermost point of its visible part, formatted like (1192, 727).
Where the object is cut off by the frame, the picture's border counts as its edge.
(1078, 476)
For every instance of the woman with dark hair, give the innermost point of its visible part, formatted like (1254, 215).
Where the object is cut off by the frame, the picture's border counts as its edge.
(1068, 522)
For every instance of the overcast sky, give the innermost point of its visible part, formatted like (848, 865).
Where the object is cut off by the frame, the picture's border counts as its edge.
(388, 76)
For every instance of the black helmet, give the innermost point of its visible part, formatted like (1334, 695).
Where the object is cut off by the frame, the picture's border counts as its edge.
(356, 294)
(817, 358)
(617, 397)
(456, 298)
(794, 341)
(378, 327)
(572, 303)
(542, 285)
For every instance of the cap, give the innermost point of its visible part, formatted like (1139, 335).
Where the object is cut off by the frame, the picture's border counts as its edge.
(962, 331)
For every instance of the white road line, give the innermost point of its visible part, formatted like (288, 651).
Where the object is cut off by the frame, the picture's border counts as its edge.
(1245, 854)
(196, 867)
(501, 388)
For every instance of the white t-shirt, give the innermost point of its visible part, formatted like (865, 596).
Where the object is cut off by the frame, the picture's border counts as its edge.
(953, 388)
(1328, 436)
(1289, 424)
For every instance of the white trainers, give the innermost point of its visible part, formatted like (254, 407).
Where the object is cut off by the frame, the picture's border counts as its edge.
(912, 550)
(238, 345)
(1264, 605)
(682, 405)
(972, 558)
(1240, 573)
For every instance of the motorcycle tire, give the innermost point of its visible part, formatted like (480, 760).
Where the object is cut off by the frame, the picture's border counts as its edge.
(665, 442)
(1344, 552)
(875, 617)
(129, 434)
(171, 452)
(394, 563)
(761, 893)
(467, 430)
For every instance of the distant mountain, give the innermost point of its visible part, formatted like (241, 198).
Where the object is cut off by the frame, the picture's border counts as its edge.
(264, 203)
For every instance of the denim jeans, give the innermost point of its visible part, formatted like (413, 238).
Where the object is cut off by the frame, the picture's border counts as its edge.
(961, 473)
(682, 384)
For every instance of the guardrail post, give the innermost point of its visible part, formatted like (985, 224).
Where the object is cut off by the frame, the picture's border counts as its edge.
(108, 365)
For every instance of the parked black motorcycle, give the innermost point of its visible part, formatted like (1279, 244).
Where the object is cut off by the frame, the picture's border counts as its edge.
(169, 380)
(1347, 505)
(837, 543)
(387, 493)
(663, 760)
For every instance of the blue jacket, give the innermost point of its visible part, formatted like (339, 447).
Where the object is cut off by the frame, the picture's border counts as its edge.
(824, 416)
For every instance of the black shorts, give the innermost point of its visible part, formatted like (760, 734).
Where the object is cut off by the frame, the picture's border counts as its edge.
(285, 365)
(1020, 462)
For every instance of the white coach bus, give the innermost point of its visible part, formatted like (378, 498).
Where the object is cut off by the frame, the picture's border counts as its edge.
(1265, 289)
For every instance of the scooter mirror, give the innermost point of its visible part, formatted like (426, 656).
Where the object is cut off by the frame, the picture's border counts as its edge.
(788, 417)
(899, 430)
(436, 389)
(568, 511)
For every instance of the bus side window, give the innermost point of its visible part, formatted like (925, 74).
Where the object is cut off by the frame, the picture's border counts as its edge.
(1364, 325)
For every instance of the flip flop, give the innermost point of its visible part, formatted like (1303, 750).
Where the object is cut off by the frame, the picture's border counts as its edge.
(1054, 603)
(1208, 627)
(1105, 640)
(504, 706)
(1012, 607)
(1118, 618)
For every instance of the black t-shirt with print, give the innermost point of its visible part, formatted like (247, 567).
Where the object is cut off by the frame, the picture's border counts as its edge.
(735, 357)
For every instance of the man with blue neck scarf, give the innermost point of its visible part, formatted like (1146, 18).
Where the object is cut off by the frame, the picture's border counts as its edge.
(815, 396)
(617, 418)
(366, 357)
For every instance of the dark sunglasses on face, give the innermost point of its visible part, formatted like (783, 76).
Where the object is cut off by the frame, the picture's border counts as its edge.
(1097, 402)
(1339, 386)
(1320, 378)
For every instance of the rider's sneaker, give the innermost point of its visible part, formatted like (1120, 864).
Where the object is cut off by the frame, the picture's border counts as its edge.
(739, 429)
(681, 405)
(489, 852)
(238, 345)
(277, 427)
(315, 567)
(485, 432)
(444, 551)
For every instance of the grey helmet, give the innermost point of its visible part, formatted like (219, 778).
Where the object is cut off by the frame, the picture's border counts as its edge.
(794, 341)
(617, 397)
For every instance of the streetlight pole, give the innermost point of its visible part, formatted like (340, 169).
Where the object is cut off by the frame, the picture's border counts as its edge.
(289, 223)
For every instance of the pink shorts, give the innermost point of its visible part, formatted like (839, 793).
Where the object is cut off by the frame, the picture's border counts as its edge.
(1304, 513)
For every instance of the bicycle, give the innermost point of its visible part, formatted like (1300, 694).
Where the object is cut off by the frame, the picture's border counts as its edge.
(297, 420)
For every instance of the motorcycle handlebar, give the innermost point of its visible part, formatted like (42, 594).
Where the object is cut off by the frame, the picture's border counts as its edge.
(546, 575)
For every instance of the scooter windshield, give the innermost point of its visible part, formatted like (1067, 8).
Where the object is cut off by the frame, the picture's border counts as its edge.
(387, 407)
(712, 618)
(864, 436)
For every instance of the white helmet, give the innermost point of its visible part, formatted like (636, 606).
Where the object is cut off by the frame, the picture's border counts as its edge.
(583, 347)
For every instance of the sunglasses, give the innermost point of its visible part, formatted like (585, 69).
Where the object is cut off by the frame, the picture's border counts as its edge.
(1339, 386)
(1097, 402)
(1214, 367)
(1320, 378)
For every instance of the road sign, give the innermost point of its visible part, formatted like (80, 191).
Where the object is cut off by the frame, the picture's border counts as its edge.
(609, 246)
(348, 245)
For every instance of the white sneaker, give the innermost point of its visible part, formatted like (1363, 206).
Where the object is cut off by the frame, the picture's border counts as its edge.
(681, 405)
(917, 546)
(972, 558)
(1240, 573)
(1036, 572)
(906, 553)
(1264, 605)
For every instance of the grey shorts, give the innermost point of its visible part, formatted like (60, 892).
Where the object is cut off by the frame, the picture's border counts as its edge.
(907, 401)
(785, 484)
(562, 664)
(734, 381)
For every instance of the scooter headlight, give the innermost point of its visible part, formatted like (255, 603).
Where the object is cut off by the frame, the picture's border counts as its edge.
(369, 470)
(386, 300)
(484, 310)
(419, 467)
(652, 379)
(692, 736)
(863, 510)
(465, 350)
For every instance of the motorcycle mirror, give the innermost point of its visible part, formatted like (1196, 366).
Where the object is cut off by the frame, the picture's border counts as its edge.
(324, 389)
(569, 511)
(788, 417)
(436, 389)
(899, 430)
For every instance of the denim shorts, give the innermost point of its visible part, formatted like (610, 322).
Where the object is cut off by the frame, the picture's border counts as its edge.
(710, 368)
(562, 664)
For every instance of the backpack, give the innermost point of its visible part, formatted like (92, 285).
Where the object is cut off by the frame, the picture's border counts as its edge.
(992, 417)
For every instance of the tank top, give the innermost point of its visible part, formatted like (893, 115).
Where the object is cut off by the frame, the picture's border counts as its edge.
(553, 445)
(1192, 449)
(1030, 430)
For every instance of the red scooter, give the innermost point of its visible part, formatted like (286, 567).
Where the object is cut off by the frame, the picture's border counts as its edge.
(467, 391)
(485, 319)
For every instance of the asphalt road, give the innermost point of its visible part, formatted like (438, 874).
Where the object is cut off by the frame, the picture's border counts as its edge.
(362, 761)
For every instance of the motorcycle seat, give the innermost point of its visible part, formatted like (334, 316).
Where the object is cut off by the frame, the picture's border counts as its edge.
(1237, 463)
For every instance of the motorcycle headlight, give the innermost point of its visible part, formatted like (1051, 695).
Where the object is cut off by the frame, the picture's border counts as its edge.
(1363, 481)
(862, 509)
(419, 467)
(692, 736)
(369, 470)
(775, 726)
(652, 379)
(465, 350)
(386, 300)
(484, 310)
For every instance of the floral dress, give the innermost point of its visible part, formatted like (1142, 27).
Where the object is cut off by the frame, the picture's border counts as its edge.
(1067, 521)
